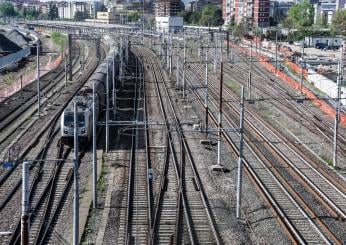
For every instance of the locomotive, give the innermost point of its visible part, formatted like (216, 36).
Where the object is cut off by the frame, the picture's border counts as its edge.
(84, 99)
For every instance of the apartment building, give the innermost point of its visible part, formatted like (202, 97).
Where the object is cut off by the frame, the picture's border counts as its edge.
(253, 12)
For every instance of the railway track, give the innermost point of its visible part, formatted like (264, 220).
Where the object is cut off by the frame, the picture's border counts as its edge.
(270, 181)
(192, 211)
(134, 224)
(285, 101)
(20, 116)
(50, 182)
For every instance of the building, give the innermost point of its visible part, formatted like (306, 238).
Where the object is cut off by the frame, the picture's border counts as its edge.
(165, 8)
(253, 12)
(166, 18)
(278, 10)
(327, 8)
(198, 5)
(67, 9)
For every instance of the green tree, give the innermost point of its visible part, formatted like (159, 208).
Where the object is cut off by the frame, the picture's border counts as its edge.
(211, 16)
(186, 15)
(81, 15)
(240, 30)
(7, 9)
(133, 16)
(338, 25)
(194, 18)
(53, 12)
(302, 15)
(30, 13)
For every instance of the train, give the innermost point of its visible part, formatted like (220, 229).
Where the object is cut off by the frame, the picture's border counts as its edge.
(84, 99)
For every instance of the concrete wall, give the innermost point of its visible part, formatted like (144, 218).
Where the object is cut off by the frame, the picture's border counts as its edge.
(326, 85)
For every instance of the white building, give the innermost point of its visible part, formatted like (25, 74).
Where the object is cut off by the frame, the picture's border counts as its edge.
(169, 24)
(68, 8)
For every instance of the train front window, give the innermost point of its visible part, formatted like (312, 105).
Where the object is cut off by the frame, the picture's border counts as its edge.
(69, 120)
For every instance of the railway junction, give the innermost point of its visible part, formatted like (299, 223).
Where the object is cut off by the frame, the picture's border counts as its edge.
(185, 138)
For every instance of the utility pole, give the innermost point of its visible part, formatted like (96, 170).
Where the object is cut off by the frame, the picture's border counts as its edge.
(107, 109)
(25, 205)
(337, 114)
(303, 65)
(38, 78)
(227, 40)
(177, 72)
(276, 50)
(69, 39)
(94, 150)
(76, 184)
(65, 69)
(113, 85)
(215, 50)
(250, 75)
(240, 160)
(170, 53)
(206, 94)
(220, 119)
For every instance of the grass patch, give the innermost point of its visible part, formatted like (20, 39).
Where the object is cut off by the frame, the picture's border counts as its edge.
(236, 87)
(327, 160)
(59, 39)
(9, 78)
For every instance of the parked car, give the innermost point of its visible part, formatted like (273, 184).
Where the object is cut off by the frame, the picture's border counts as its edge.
(321, 45)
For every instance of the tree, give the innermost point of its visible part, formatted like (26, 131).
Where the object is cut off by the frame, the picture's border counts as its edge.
(338, 25)
(7, 9)
(30, 13)
(302, 15)
(133, 16)
(211, 16)
(186, 15)
(240, 30)
(53, 12)
(81, 15)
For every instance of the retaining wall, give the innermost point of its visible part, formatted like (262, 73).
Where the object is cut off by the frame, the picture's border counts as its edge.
(16, 85)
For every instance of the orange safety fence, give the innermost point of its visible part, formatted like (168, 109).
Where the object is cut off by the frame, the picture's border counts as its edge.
(28, 78)
(294, 67)
(325, 107)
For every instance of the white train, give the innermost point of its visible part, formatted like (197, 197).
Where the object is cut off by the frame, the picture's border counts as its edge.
(84, 99)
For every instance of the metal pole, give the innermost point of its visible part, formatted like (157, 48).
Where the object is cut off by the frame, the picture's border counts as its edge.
(337, 117)
(76, 187)
(206, 94)
(69, 37)
(302, 76)
(215, 49)
(276, 50)
(65, 69)
(227, 45)
(184, 80)
(38, 79)
(143, 22)
(177, 83)
(94, 150)
(240, 160)
(250, 74)
(220, 119)
(113, 85)
(25, 204)
(170, 54)
(184, 38)
(107, 109)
